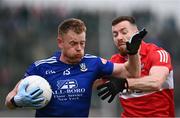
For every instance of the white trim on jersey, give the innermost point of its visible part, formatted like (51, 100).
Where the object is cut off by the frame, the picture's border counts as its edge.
(163, 56)
(89, 56)
(134, 95)
(49, 60)
(169, 83)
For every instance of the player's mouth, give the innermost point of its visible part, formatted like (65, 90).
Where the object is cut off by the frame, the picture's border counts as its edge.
(121, 44)
(78, 55)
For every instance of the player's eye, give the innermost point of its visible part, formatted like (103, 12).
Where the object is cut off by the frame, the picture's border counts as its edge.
(82, 43)
(115, 34)
(72, 43)
(124, 31)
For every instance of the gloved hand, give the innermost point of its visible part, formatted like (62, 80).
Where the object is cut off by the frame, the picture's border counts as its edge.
(28, 99)
(112, 88)
(135, 41)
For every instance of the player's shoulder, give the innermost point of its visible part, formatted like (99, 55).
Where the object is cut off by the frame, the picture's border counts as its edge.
(89, 56)
(153, 48)
(117, 58)
(93, 59)
(158, 53)
(50, 60)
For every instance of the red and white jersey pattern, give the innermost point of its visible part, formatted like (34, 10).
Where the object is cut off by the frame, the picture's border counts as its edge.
(163, 56)
(149, 104)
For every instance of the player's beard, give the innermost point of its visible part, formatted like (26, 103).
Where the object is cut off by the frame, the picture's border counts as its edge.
(122, 50)
(72, 58)
(76, 58)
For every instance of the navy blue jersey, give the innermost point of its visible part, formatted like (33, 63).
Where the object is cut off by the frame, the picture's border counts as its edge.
(71, 84)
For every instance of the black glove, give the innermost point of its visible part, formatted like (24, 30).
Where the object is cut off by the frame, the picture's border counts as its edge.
(135, 41)
(112, 88)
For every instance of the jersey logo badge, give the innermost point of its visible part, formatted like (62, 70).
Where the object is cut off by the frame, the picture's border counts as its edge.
(83, 67)
(67, 72)
(67, 84)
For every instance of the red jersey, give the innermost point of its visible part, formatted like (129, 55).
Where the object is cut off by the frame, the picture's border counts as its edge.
(149, 104)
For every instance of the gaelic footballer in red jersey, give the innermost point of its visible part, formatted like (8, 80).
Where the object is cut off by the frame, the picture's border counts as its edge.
(154, 102)
(152, 94)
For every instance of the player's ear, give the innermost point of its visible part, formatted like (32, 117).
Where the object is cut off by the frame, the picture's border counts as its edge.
(60, 41)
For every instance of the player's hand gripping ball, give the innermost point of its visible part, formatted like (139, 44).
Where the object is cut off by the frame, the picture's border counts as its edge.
(35, 81)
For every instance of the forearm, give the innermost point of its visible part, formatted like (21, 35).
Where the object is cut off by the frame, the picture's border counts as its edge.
(10, 95)
(148, 83)
(133, 66)
(132, 47)
(8, 102)
(154, 81)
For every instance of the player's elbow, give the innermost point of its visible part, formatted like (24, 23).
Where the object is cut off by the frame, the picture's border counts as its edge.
(156, 85)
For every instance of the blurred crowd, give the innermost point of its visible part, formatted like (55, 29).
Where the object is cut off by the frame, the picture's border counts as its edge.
(28, 34)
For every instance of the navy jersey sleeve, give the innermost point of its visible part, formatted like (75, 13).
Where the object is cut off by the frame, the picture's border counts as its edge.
(105, 67)
(31, 70)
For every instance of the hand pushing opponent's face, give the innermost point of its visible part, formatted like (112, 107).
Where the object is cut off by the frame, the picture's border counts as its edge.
(122, 32)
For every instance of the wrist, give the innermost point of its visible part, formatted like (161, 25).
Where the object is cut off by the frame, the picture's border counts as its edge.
(14, 102)
(124, 84)
(132, 53)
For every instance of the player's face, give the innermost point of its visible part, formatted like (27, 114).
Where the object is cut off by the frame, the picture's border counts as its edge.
(72, 47)
(122, 32)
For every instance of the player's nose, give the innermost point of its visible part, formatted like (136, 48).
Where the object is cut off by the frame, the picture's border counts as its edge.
(120, 40)
(78, 47)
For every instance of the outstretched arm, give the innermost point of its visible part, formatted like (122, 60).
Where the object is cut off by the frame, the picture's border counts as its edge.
(152, 82)
(129, 69)
(132, 67)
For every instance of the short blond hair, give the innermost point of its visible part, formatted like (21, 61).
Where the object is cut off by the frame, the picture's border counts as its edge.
(76, 25)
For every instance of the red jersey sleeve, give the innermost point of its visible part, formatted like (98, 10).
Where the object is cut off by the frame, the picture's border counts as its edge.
(117, 58)
(161, 58)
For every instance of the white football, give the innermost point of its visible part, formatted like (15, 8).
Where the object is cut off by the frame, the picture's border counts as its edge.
(38, 81)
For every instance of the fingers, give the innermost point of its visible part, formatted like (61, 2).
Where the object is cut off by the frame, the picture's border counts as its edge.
(128, 45)
(106, 95)
(138, 36)
(103, 92)
(38, 100)
(102, 86)
(35, 106)
(34, 90)
(133, 38)
(37, 93)
(107, 90)
(111, 98)
(143, 33)
(22, 86)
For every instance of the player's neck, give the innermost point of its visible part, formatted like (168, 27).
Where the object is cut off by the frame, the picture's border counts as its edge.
(66, 60)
